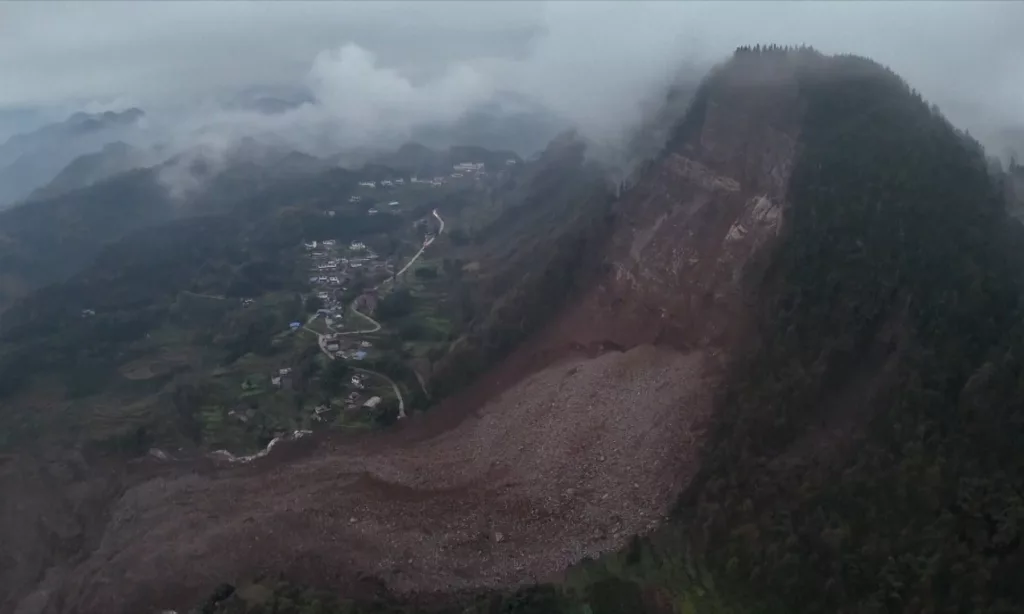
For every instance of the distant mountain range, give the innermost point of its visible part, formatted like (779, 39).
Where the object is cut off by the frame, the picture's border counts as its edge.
(33, 159)
(88, 147)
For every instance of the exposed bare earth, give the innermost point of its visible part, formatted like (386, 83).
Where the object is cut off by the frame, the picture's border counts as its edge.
(567, 463)
(541, 461)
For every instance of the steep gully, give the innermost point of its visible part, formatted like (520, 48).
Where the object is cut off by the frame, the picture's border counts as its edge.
(551, 456)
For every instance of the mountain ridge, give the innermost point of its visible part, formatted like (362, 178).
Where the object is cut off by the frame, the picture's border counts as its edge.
(795, 332)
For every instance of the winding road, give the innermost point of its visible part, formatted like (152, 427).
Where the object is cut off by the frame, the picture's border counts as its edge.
(321, 339)
(394, 386)
(426, 244)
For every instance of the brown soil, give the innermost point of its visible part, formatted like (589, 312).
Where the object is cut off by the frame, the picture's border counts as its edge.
(567, 463)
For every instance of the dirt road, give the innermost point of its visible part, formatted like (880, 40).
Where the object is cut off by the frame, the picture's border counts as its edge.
(416, 257)
(394, 387)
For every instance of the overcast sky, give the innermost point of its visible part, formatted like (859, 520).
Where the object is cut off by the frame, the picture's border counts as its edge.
(588, 60)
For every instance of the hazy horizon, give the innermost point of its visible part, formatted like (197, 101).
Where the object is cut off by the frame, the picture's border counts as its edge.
(382, 68)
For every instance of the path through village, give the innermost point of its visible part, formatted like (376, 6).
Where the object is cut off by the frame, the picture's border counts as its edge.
(375, 325)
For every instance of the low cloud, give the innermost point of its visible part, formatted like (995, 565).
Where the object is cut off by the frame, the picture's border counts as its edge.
(379, 70)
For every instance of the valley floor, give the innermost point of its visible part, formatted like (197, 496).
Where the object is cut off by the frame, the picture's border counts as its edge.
(567, 463)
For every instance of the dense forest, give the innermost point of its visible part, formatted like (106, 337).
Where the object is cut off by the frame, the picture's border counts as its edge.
(899, 268)
(866, 456)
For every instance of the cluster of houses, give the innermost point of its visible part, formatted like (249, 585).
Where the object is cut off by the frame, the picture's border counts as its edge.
(354, 400)
(346, 347)
(384, 183)
(331, 274)
(468, 167)
(335, 272)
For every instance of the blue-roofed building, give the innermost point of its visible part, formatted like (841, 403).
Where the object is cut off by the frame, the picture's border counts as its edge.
(295, 325)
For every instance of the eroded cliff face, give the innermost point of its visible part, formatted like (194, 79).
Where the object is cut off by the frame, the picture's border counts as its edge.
(701, 219)
(519, 484)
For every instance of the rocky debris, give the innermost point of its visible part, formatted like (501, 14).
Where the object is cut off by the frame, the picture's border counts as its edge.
(159, 454)
(527, 462)
(228, 457)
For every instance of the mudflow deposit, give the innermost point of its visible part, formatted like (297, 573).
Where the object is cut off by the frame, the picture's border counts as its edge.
(539, 463)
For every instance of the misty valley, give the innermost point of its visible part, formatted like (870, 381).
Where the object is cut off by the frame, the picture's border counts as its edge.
(746, 336)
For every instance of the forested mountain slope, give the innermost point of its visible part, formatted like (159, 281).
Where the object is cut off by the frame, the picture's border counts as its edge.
(815, 247)
(865, 458)
(844, 250)
(51, 238)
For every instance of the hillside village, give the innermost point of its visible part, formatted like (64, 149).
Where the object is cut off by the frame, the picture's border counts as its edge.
(279, 330)
(346, 281)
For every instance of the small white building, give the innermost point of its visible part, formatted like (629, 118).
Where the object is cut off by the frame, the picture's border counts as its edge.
(468, 167)
(329, 243)
(372, 402)
(393, 203)
(357, 246)
(368, 184)
(386, 183)
(371, 212)
(399, 181)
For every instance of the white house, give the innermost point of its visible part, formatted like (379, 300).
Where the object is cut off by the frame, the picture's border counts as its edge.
(371, 212)
(329, 243)
(386, 183)
(357, 246)
(399, 181)
(372, 402)
(472, 167)
(393, 203)
(368, 184)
